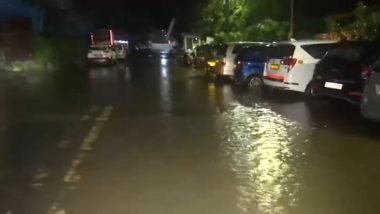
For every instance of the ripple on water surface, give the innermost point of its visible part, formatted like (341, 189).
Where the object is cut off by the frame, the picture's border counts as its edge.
(259, 143)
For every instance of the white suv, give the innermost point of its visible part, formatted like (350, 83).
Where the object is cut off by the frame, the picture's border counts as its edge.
(291, 64)
(101, 54)
(228, 53)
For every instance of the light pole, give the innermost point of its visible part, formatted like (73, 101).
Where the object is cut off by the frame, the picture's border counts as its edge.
(226, 4)
(291, 30)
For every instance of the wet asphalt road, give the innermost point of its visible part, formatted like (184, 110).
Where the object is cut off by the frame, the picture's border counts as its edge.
(157, 138)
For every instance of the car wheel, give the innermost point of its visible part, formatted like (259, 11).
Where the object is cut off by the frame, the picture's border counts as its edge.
(255, 84)
(309, 91)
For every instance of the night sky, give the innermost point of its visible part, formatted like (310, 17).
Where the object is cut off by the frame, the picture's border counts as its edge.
(135, 13)
(140, 12)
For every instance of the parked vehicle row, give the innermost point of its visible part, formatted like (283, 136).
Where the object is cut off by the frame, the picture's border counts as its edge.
(347, 70)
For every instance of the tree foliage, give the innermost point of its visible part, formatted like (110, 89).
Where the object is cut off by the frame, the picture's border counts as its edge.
(233, 20)
(362, 24)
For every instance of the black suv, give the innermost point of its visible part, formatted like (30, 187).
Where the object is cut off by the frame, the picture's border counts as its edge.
(343, 71)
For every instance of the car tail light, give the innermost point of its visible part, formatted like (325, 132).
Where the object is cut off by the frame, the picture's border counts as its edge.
(366, 71)
(239, 64)
(224, 62)
(289, 62)
(92, 39)
(111, 36)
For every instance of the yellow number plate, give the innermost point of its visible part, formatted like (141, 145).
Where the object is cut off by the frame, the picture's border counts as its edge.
(274, 67)
(212, 64)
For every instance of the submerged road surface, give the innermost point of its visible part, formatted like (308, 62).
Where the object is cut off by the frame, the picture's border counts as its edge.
(157, 138)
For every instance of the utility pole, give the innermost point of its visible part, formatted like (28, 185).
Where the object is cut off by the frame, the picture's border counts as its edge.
(226, 4)
(291, 30)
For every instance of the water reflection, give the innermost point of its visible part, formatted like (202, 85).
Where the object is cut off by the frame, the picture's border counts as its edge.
(259, 142)
(165, 90)
(219, 97)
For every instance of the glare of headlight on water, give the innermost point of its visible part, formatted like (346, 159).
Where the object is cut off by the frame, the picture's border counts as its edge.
(165, 90)
(164, 61)
(258, 143)
(164, 72)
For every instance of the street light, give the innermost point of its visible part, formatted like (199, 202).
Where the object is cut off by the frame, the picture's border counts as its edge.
(291, 30)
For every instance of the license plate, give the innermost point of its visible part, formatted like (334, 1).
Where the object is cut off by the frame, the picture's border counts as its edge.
(212, 64)
(274, 66)
(334, 85)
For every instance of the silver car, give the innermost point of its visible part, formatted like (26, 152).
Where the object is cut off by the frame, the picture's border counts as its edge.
(370, 105)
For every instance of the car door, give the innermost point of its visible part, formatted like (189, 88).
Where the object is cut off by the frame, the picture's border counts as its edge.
(280, 62)
(370, 106)
(307, 56)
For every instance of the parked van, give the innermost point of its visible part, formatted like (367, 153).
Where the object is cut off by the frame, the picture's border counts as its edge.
(291, 64)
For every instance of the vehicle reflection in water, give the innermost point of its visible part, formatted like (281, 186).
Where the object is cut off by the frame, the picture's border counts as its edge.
(258, 143)
(165, 88)
(219, 97)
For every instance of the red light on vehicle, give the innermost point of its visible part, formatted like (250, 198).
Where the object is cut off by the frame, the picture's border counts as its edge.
(239, 64)
(92, 39)
(275, 77)
(111, 36)
(224, 62)
(355, 94)
(289, 62)
(366, 71)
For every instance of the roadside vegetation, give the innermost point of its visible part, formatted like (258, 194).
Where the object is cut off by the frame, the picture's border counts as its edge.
(58, 52)
(268, 20)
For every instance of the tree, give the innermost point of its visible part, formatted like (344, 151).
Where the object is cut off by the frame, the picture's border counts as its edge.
(232, 20)
(362, 24)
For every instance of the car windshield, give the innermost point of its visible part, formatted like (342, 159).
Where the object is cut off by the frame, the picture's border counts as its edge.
(237, 48)
(101, 35)
(354, 52)
(317, 51)
(253, 53)
(280, 51)
(220, 50)
(347, 53)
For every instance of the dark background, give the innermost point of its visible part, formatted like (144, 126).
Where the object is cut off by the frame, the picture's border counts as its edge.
(138, 15)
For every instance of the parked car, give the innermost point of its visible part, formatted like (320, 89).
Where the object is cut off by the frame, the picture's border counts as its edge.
(205, 57)
(121, 52)
(226, 58)
(249, 65)
(370, 104)
(343, 72)
(291, 64)
(101, 55)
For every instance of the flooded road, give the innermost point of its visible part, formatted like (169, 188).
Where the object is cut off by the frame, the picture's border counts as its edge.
(156, 137)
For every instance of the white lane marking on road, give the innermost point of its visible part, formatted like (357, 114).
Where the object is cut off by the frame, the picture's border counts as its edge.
(55, 210)
(87, 144)
(85, 117)
(91, 137)
(105, 116)
(72, 175)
